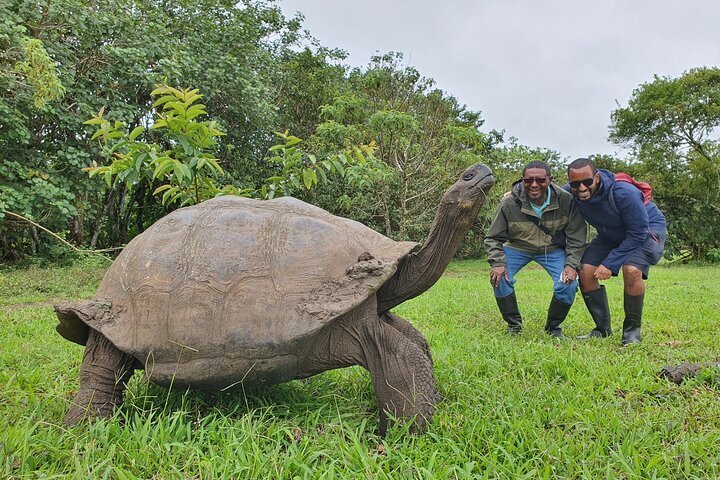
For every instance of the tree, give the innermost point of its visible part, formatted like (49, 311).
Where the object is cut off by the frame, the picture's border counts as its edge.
(424, 138)
(672, 125)
(678, 115)
(28, 79)
(68, 59)
(182, 162)
(186, 168)
(110, 53)
(305, 81)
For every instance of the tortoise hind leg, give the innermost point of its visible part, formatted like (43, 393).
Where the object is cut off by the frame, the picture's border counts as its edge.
(104, 374)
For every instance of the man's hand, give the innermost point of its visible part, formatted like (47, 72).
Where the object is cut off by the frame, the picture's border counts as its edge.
(496, 274)
(602, 273)
(569, 274)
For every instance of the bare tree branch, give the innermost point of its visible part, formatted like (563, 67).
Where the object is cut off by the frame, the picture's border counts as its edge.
(58, 237)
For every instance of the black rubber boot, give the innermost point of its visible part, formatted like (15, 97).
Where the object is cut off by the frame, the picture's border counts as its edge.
(597, 304)
(511, 313)
(633, 319)
(556, 315)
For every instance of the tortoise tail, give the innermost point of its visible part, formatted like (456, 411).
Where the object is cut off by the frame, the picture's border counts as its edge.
(76, 318)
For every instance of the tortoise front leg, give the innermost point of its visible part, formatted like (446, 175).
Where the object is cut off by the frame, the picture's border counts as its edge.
(104, 374)
(402, 373)
(408, 329)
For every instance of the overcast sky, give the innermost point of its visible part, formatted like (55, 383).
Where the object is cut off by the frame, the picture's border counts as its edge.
(547, 72)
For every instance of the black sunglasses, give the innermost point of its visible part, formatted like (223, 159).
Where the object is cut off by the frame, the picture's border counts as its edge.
(575, 184)
(539, 180)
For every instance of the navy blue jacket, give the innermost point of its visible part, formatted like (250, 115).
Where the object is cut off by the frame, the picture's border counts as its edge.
(626, 228)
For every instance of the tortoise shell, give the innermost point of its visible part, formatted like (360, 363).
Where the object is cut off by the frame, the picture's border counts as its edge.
(233, 289)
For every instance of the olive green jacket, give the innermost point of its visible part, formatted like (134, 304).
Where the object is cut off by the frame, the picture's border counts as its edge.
(511, 226)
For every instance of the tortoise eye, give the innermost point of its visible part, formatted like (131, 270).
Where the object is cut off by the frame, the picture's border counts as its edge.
(468, 176)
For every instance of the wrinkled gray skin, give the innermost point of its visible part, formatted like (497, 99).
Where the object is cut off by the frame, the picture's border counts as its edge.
(292, 299)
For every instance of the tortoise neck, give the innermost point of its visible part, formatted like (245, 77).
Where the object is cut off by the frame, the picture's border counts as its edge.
(419, 271)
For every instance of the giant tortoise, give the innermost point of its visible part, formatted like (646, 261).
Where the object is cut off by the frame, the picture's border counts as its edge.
(238, 291)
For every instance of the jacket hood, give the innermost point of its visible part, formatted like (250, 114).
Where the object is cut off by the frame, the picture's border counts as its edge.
(517, 191)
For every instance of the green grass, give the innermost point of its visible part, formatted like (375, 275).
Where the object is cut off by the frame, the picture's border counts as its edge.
(514, 407)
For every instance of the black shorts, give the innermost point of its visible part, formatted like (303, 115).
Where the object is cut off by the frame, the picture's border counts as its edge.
(648, 254)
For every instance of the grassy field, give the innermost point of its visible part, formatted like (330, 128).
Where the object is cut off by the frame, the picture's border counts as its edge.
(514, 407)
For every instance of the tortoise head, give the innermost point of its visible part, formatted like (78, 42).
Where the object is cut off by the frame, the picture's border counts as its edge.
(470, 189)
(459, 206)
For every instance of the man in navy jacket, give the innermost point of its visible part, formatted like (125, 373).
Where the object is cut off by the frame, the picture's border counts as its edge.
(630, 236)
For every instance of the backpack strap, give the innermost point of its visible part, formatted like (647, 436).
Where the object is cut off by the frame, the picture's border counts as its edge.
(611, 200)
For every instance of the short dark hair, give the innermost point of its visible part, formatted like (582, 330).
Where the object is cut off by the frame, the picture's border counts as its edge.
(537, 164)
(582, 162)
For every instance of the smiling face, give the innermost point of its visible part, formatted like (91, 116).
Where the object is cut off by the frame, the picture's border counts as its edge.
(536, 181)
(583, 182)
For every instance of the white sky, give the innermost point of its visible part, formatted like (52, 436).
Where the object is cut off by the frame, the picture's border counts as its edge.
(548, 72)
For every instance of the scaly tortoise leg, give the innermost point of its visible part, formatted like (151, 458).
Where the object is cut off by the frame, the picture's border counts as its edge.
(401, 372)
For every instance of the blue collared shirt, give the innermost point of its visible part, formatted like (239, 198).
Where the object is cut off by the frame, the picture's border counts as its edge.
(540, 209)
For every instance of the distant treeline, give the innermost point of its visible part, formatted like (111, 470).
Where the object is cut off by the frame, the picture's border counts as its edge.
(380, 144)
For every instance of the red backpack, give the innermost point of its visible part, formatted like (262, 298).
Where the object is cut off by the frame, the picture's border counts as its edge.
(644, 187)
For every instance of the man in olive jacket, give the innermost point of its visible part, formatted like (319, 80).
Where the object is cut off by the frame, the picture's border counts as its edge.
(536, 220)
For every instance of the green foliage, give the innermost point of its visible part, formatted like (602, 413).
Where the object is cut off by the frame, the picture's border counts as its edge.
(513, 407)
(300, 171)
(40, 73)
(305, 81)
(677, 114)
(110, 53)
(25, 189)
(33, 193)
(186, 170)
(28, 76)
(424, 138)
(672, 124)
(242, 57)
(714, 255)
(26, 68)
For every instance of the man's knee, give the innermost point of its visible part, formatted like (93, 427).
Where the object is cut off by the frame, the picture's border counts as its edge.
(587, 278)
(587, 271)
(632, 275)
